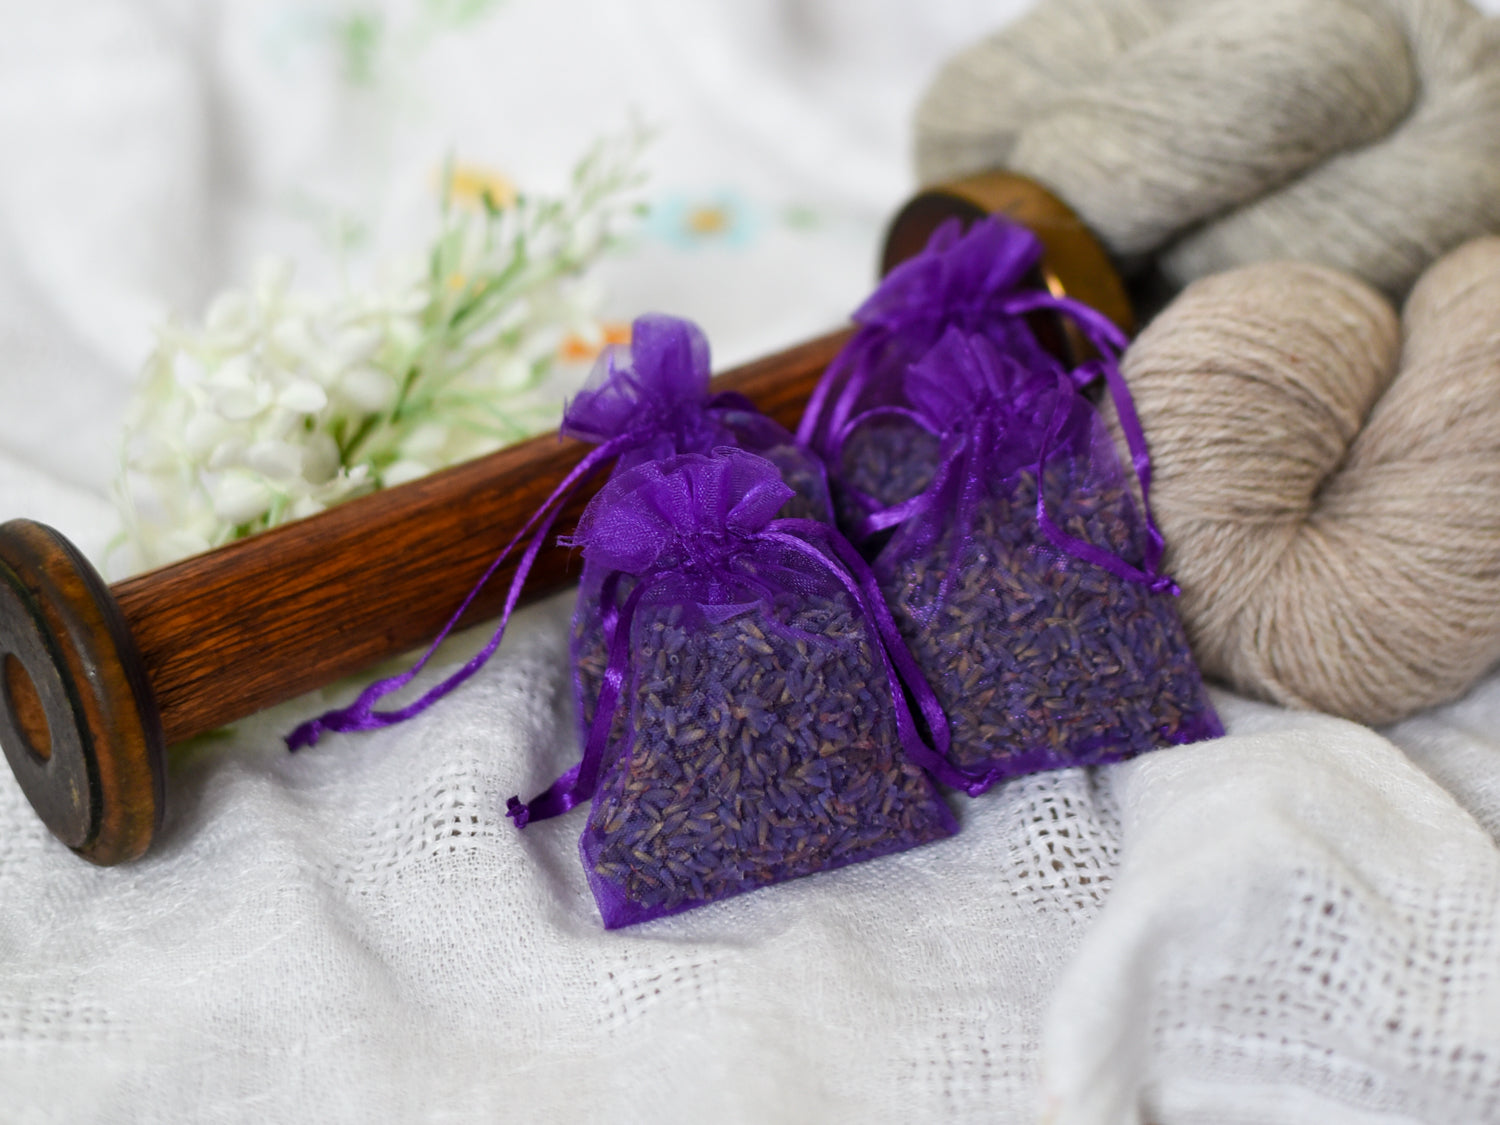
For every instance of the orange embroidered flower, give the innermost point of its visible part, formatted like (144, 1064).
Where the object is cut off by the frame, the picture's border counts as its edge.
(577, 349)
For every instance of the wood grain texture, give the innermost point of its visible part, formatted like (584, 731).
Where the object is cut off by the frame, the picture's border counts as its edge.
(228, 633)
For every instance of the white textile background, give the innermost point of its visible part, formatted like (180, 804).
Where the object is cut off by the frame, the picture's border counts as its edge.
(1300, 922)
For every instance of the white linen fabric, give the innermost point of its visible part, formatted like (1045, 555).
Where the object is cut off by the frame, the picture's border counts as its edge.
(1304, 927)
(1300, 922)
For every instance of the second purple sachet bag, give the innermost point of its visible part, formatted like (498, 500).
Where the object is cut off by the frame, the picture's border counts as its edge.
(1018, 564)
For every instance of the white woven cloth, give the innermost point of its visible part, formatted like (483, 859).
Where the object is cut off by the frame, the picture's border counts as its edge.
(1304, 927)
(1299, 923)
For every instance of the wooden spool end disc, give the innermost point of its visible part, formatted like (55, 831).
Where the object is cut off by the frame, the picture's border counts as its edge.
(78, 722)
(1074, 263)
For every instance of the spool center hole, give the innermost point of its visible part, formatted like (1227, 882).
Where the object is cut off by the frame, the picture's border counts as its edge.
(25, 706)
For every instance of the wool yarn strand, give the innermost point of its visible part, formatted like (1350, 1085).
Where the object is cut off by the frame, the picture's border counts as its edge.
(1359, 134)
(1142, 159)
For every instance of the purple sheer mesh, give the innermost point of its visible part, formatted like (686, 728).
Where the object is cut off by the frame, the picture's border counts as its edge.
(657, 392)
(1042, 623)
(766, 735)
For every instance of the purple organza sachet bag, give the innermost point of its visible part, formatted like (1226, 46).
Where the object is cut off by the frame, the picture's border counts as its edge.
(1015, 558)
(765, 733)
(653, 401)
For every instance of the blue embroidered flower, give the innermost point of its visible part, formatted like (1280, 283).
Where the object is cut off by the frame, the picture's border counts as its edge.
(722, 218)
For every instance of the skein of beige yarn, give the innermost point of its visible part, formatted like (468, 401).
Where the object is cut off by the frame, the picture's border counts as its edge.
(1358, 134)
(1328, 480)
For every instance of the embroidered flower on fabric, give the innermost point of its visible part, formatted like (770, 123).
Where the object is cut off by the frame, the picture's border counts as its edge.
(723, 218)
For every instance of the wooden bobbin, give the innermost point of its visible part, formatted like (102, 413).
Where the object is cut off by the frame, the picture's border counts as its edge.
(96, 680)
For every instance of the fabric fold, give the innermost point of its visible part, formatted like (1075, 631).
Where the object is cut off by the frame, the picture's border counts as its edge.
(1303, 925)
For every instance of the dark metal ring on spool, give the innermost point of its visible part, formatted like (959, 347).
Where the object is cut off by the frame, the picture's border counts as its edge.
(96, 680)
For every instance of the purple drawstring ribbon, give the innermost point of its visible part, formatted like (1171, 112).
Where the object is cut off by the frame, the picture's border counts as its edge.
(361, 714)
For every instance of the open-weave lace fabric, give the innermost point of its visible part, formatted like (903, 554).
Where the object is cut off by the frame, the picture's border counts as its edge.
(1293, 924)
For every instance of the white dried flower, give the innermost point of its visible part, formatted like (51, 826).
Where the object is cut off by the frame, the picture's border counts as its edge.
(281, 403)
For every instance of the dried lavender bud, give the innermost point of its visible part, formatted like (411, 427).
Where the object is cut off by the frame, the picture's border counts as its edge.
(811, 499)
(1041, 660)
(591, 656)
(889, 462)
(759, 748)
